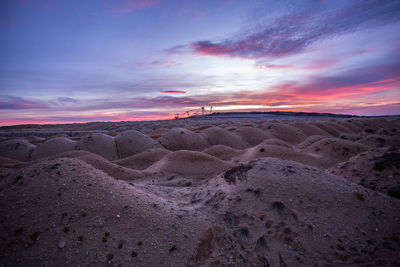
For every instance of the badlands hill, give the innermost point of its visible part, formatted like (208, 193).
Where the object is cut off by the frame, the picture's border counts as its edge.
(248, 191)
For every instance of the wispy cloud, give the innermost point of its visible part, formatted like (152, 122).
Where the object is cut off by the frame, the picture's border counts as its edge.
(67, 100)
(292, 32)
(173, 92)
(159, 63)
(13, 102)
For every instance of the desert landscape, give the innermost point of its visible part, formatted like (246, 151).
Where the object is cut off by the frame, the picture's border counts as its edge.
(199, 133)
(210, 190)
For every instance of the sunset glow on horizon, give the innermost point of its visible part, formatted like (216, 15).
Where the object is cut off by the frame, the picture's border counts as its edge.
(120, 60)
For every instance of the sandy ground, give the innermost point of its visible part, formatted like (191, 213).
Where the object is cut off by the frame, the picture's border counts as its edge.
(216, 192)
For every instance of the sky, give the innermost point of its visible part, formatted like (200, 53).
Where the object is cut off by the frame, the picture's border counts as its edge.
(120, 60)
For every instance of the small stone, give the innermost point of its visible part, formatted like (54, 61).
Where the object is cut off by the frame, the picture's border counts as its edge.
(118, 216)
(61, 244)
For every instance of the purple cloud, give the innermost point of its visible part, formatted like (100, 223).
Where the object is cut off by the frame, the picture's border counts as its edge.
(67, 100)
(173, 92)
(13, 102)
(293, 32)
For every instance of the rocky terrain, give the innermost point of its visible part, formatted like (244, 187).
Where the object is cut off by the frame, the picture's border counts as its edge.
(202, 192)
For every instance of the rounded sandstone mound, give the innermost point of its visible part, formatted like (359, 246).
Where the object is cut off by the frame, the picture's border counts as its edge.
(251, 135)
(335, 149)
(347, 124)
(218, 136)
(100, 144)
(87, 218)
(328, 127)
(53, 146)
(100, 163)
(287, 133)
(157, 133)
(276, 142)
(377, 169)
(288, 214)
(281, 152)
(375, 140)
(309, 141)
(143, 160)
(222, 152)
(309, 129)
(183, 139)
(7, 162)
(132, 142)
(17, 149)
(189, 163)
(6, 166)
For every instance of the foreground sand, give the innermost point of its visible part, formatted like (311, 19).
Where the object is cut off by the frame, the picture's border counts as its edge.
(296, 192)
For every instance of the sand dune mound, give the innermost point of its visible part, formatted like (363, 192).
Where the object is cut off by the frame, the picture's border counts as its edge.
(189, 163)
(377, 169)
(347, 124)
(218, 136)
(309, 141)
(222, 152)
(357, 122)
(17, 149)
(251, 135)
(309, 129)
(375, 140)
(276, 142)
(100, 163)
(336, 149)
(329, 128)
(7, 162)
(143, 160)
(158, 132)
(395, 122)
(183, 139)
(378, 123)
(343, 128)
(386, 131)
(35, 140)
(201, 128)
(132, 142)
(231, 128)
(285, 132)
(112, 133)
(371, 125)
(53, 146)
(100, 144)
(283, 213)
(367, 124)
(350, 136)
(7, 165)
(87, 218)
(274, 151)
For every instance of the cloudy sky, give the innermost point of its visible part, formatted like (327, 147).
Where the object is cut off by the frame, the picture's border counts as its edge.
(111, 60)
